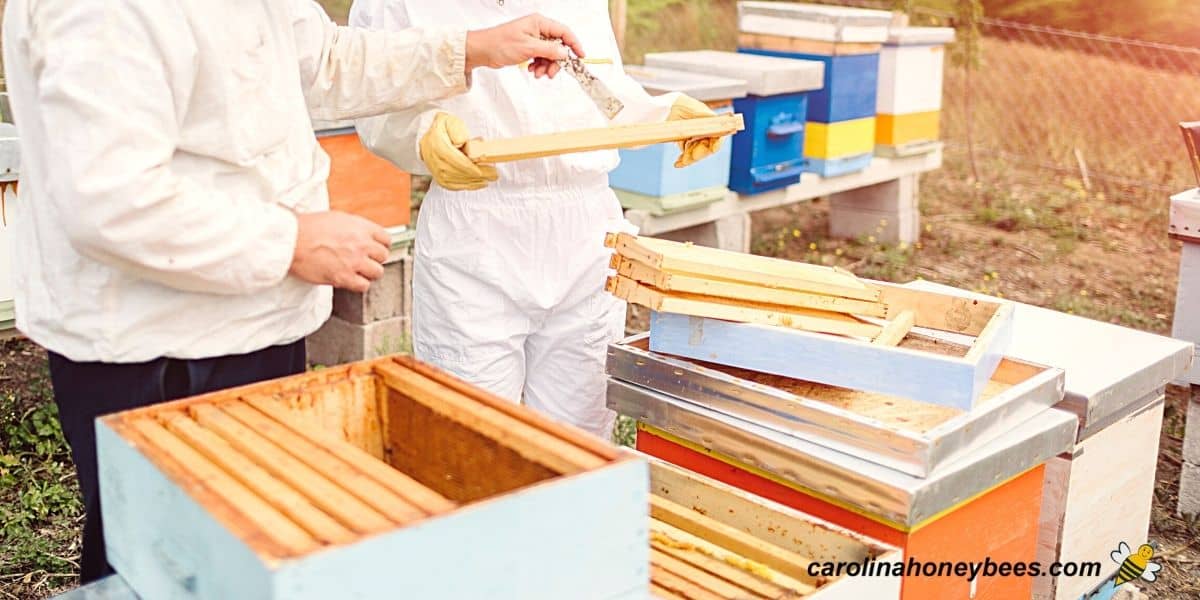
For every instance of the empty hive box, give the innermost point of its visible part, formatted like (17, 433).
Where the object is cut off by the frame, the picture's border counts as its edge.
(381, 479)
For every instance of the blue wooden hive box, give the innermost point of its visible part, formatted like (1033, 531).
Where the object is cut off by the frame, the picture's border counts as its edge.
(769, 153)
(378, 480)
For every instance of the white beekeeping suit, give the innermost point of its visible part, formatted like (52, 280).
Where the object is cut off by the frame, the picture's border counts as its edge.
(165, 148)
(508, 283)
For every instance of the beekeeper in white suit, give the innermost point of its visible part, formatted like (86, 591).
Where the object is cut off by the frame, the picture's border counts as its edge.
(173, 235)
(510, 262)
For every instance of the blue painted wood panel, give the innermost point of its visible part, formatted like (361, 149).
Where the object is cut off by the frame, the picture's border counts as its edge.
(851, 85)
(821, 358)
(584, 536)
(651, 170)
(769, 153)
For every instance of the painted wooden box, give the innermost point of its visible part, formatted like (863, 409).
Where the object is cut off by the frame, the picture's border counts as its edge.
(814, 21)
(381, 479)
(1099, 492)
(769, 153)
(363, 184)
(651, 171)
(710, 541)
(919, 369)
(912, 437)
(982, 506)
(675, 203)
(910, 89)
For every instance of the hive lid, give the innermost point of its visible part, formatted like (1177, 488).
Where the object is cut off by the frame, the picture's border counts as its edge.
(764, 75)
(814, 21)
(699, 86)
(920, 36)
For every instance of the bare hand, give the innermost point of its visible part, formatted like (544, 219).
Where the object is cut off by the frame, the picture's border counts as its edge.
(339, 249)
(533, 38)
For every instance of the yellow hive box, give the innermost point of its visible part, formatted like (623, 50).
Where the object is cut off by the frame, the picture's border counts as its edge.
(898, 130)
(838, 140)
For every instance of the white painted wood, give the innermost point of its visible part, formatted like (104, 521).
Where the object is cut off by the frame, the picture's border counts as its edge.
(1109, 493)
(1108, 367)
(910, 79)
(764, 75)
(705, 88)
(920, 36)
(1184, 215)
(528, 544)
(1186, 322)
(811, 186)
(8, 217)
(814, 21)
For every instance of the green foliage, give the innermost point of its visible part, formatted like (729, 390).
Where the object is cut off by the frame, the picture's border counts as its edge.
(39, 501)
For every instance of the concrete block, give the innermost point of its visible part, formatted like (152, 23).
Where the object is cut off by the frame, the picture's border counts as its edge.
(731, 232)
(387, 297)
(1189, 489)
(887, 227)
(1191, 436)
(339, 341)
(895, 196)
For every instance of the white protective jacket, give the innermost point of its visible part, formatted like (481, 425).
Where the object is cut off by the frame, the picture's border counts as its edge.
(165, 146)
(508, 281)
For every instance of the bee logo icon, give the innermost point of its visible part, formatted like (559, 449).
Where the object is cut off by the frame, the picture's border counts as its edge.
(1135, 565)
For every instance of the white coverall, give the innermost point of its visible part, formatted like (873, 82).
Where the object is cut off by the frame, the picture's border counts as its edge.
(165, 146)
(508, 281)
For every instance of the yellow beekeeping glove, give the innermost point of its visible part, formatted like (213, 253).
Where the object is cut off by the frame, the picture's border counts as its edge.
(441, 149)
(694, 149)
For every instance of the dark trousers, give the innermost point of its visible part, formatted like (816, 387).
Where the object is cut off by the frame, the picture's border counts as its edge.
(86, 390)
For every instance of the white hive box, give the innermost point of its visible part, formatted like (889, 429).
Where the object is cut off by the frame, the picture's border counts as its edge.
(814, 21)
(764, 75)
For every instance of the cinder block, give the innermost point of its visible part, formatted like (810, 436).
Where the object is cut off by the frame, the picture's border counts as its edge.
(388, 297)
(1191, 436)
(888, 227)
(1189, 489)
(895, 196)
(731, 232)
(339, 341)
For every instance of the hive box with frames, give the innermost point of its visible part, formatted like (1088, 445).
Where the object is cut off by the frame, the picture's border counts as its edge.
(380, 479)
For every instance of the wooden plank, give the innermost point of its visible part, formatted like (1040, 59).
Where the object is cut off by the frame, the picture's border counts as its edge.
(692, 284)
(659, 591)
(330, 497)
(732, 538)
(674, 583)
(779, 43)
(528, 441)
(271, 523)
(287, 500)
(603, 138)
(939, 311)
(740, 577)
(696, 575)
(712, 263)
(366, 489)
(664, 535)
(986, 340)
(896, 329)
(575, 436)
(408, 488)
(740, 312)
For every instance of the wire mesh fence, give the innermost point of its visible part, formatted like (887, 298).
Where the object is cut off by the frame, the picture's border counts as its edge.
(1051, 104)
